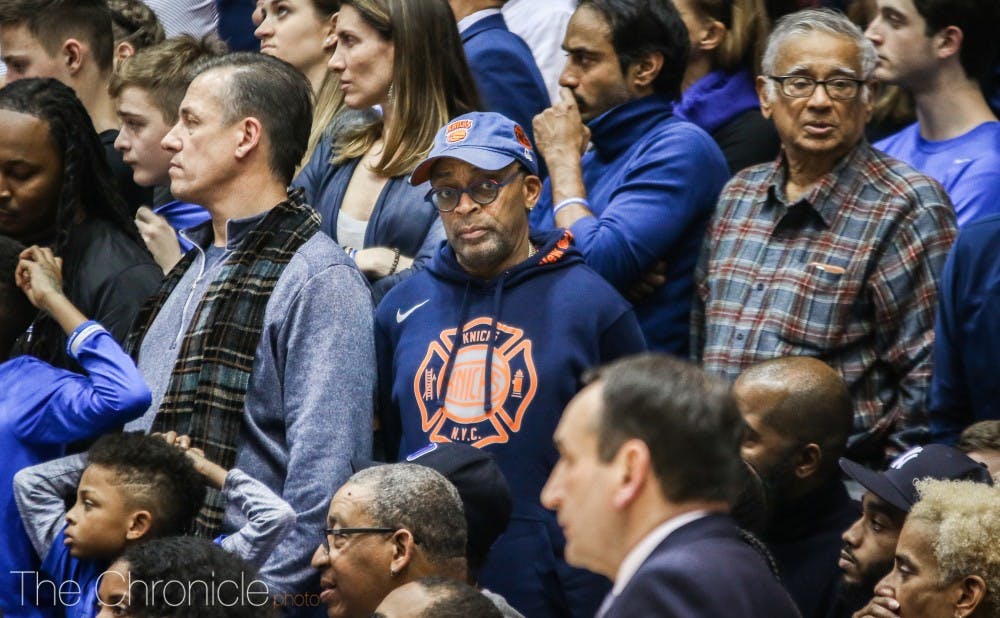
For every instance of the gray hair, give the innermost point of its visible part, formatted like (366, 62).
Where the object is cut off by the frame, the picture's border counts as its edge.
(806, 22)
(421, 500)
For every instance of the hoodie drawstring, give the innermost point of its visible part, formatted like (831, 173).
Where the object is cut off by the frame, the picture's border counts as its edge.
(497, 299)
(449, 362)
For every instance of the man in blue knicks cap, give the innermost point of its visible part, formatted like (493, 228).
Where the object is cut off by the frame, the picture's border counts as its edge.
(487, 345)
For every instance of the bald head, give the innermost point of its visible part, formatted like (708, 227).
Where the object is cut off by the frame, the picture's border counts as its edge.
(789, 404)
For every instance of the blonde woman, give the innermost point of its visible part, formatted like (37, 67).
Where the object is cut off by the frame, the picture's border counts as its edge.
(404, 57)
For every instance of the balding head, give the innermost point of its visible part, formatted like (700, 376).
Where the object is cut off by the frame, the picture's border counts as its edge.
(799, 414)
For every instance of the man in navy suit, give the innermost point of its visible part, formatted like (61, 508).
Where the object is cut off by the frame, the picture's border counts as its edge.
(649, 464)
(506, 75)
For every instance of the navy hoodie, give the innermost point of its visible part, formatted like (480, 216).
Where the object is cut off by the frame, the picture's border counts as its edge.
(537, 327)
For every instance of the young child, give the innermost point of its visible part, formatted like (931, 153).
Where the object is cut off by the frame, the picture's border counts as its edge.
(147, 90)
(42, 408)
(131, 488)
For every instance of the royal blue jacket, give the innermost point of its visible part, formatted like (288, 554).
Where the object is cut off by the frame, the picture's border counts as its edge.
(506, 75)
(42, 409)
(652, 181)
(537, 328)
(964, 385)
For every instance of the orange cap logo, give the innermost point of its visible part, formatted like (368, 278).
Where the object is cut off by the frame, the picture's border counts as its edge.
(457, 131)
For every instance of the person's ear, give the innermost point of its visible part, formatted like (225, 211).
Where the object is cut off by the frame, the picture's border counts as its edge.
(808, 460)
(633, 467)
(532, 190)
(251, 133)
(403, 548)
(73, 53)
(645, 70)
(764, 95)
(971, 591)
(711, 36)
(329, 25)
(948, 42)
(123, 50)
(139, 525)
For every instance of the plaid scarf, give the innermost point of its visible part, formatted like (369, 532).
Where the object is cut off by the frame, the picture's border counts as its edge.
(208, 385)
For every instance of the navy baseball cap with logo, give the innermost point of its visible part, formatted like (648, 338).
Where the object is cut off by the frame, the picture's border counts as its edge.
(934, 461)
(486, 140)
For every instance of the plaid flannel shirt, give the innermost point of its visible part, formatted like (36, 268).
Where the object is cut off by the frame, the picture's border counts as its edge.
(848, 274)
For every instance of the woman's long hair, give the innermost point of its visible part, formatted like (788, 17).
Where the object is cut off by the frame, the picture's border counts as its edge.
(431, 82)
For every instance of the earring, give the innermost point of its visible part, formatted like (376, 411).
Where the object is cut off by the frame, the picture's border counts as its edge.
(392, 572)
(389, 95)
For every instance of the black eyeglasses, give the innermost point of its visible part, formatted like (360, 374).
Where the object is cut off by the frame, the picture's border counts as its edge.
(340, 535)
(483, 192)
(803, 87)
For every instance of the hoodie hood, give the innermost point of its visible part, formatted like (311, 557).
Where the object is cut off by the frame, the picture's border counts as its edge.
(556, 249)
(700, 103)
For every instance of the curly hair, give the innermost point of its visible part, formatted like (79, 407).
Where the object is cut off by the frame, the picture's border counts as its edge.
(133, 21)
(159, 477)
(205, 573)
(87, 189)
(966, 519)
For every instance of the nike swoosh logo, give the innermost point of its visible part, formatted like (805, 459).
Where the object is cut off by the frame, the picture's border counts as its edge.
(400, 316)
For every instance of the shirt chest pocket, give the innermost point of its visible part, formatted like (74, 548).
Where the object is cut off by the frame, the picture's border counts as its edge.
(823, 308)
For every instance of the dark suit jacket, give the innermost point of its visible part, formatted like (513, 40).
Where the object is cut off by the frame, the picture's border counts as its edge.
(505, 71)
(704, 569)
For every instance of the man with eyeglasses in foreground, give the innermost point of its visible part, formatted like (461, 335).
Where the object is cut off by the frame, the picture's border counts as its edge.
(833, 250)
(487, 344)
(388, 526)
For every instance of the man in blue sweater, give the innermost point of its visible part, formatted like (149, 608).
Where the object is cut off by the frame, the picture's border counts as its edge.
(638, 201)
(488, 343)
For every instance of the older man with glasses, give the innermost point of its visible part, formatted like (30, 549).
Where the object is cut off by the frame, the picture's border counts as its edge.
(487, 344)
(388, 526)
(833, 250)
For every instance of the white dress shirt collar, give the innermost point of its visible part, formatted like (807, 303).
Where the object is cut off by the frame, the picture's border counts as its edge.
(638, 554)
(466, 22)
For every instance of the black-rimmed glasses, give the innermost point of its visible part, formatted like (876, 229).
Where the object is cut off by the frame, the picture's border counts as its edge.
(483, 192)
(803, 87)
(340, 535)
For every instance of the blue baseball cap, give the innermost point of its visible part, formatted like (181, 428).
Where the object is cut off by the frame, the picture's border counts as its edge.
(487, 140)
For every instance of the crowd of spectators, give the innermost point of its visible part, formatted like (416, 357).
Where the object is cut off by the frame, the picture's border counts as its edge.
(585, 308)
